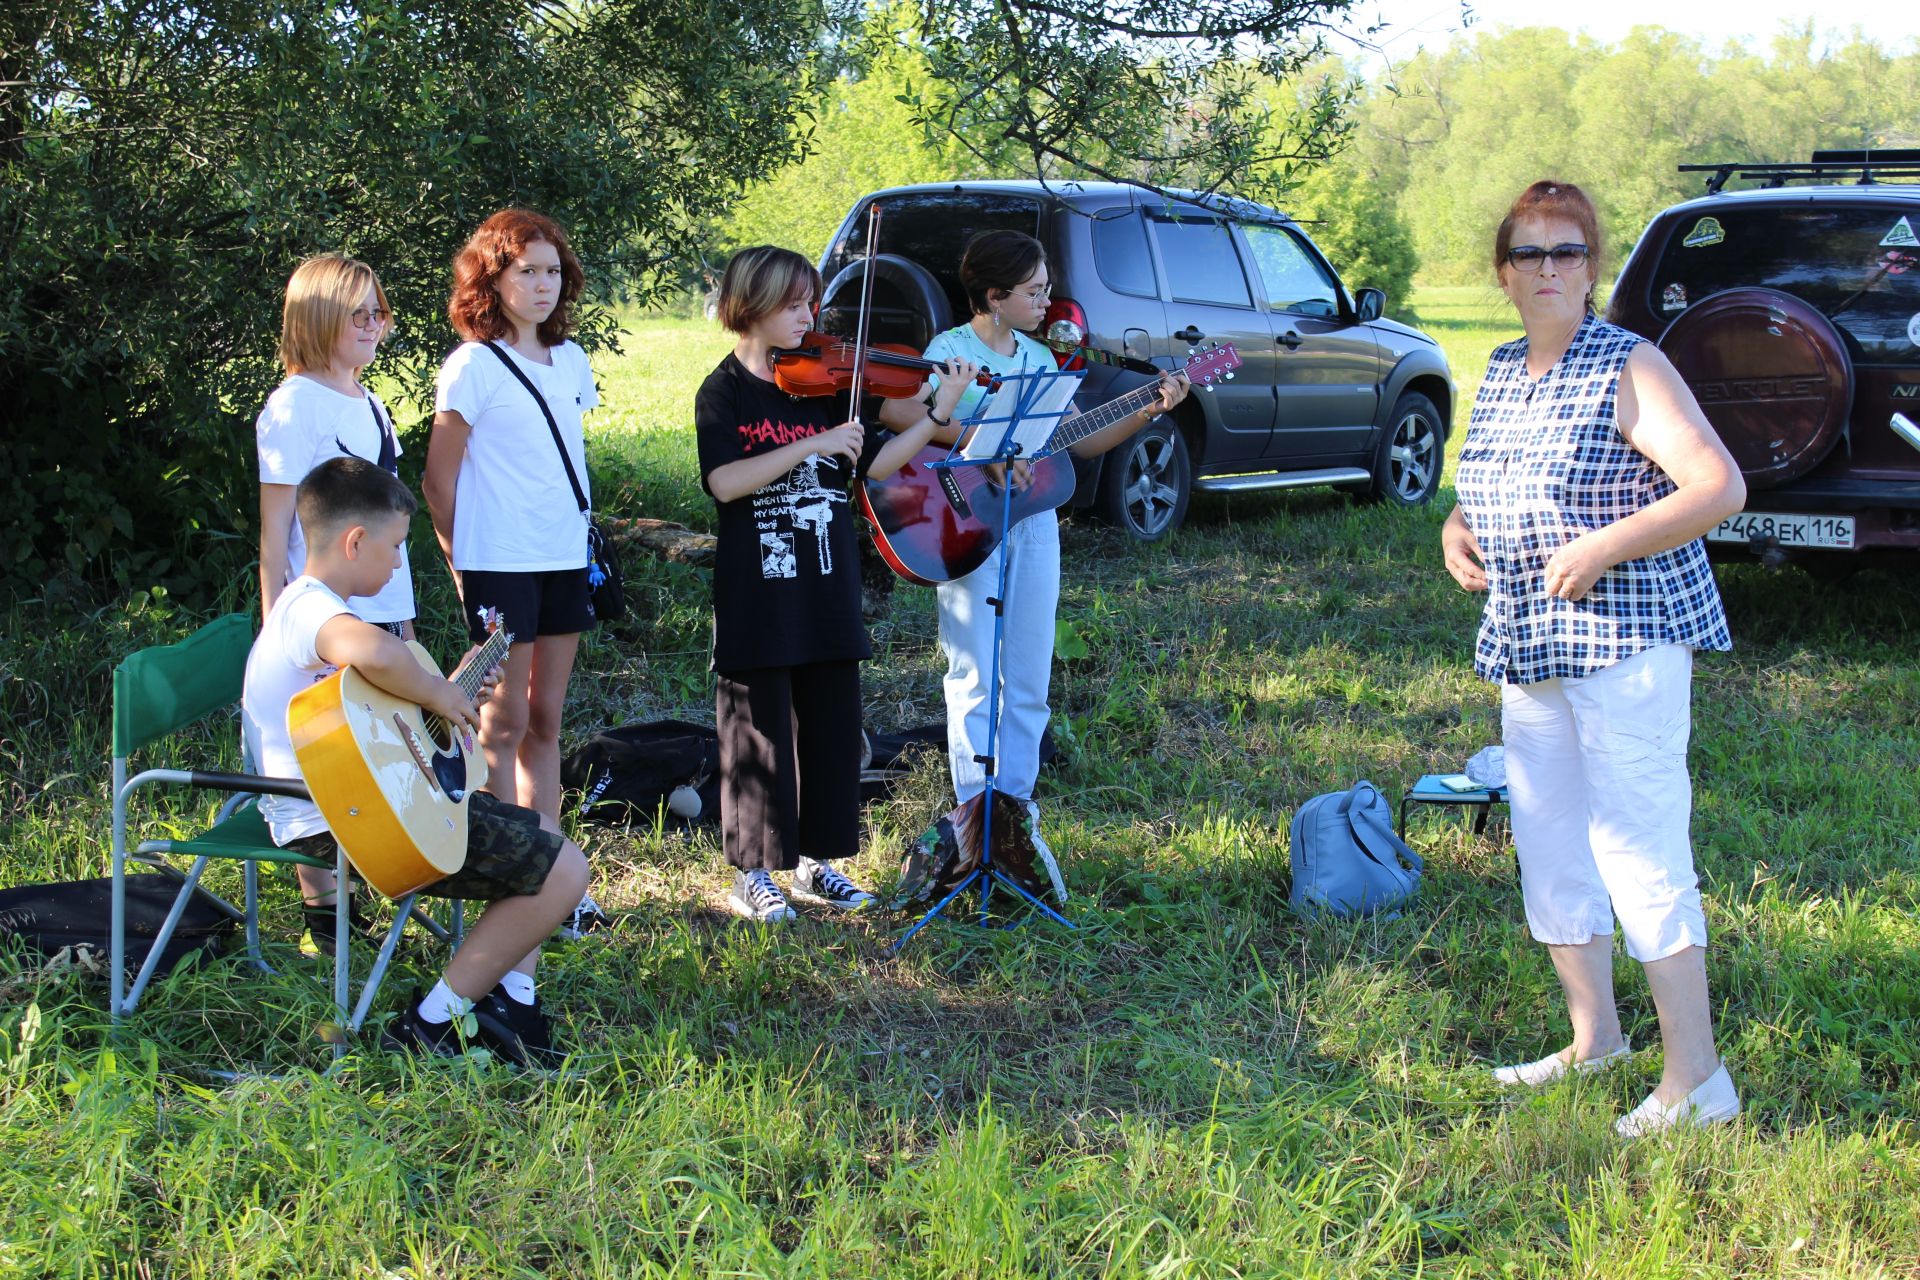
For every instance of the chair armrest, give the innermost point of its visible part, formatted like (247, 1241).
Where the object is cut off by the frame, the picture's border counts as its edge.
(249, 782)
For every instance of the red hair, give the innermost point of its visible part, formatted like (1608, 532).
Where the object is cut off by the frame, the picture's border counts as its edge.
(474, 307)
(1550, 199)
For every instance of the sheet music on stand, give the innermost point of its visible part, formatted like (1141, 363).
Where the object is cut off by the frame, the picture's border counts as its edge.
(1026, 407)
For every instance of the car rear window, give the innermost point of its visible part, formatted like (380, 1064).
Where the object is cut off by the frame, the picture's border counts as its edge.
(1859, 265)
(1120, 253)
(1201, 262)
(932, 227)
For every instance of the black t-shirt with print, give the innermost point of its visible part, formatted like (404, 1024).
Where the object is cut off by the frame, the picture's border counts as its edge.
(786, 574)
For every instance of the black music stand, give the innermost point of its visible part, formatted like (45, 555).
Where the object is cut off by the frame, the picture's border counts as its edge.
(1030, 389)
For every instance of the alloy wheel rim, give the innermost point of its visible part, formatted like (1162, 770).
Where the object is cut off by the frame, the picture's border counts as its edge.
(1413, 456)
(1152, 490)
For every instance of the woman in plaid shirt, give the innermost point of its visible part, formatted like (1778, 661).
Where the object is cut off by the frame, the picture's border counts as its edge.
(1586, 481)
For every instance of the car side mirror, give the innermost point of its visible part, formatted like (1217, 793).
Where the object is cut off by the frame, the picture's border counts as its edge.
(1370, 304)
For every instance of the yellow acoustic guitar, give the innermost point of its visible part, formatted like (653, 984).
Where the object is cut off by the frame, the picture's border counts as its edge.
(391, 780)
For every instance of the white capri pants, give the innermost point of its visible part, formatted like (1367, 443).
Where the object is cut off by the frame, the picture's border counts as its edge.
(1597, 783)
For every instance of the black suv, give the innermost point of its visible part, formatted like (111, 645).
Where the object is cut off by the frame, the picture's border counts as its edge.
(1328, 393)
(1793, 311)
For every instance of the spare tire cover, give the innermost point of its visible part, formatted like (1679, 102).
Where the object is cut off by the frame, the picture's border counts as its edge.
(1771, 374)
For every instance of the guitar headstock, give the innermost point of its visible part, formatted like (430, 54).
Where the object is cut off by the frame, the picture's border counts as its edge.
(1212, 364)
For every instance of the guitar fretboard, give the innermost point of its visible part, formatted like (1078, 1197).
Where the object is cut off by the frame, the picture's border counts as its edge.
(1080, 426)
(471, 674)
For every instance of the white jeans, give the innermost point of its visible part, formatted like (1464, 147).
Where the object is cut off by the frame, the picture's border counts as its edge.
(1026, 659)
(1597, 780)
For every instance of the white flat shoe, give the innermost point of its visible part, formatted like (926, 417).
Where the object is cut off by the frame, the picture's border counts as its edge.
(1549, 1069)
(1713, 1102)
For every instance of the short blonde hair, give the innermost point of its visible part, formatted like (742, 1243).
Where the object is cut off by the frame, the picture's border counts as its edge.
(761, 280)
(321, 296)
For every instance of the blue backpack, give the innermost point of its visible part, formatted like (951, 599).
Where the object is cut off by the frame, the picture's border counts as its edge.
(1346, 858)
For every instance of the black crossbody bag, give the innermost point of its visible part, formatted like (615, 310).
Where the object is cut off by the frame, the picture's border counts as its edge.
(604, 587)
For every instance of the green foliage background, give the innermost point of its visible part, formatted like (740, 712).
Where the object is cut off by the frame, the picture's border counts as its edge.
(162, 171)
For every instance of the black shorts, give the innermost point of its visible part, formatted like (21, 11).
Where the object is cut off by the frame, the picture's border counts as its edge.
(553, 602)
(509, 854)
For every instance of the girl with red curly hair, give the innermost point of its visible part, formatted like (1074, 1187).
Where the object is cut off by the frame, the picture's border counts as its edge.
(508, 401)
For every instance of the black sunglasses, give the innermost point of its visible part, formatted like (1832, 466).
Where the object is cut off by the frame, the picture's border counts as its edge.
(1528, 257)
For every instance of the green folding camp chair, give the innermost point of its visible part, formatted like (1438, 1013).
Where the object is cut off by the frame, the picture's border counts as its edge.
(157, 692)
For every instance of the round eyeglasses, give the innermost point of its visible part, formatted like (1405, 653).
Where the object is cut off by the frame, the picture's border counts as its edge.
(364, 316)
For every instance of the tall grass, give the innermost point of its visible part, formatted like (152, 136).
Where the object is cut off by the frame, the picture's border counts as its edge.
(1192, 1083)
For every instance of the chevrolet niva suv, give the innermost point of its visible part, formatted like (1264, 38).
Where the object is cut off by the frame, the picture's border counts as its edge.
(1328, 391)
(1793, 312)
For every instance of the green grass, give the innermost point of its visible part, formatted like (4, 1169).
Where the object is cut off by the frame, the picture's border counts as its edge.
(1194, 1083)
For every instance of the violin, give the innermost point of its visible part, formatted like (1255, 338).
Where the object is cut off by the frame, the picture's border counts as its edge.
(823, 365)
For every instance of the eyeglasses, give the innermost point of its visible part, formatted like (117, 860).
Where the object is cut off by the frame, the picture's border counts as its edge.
(362, 316)
(1528, 257)
(1035, 296)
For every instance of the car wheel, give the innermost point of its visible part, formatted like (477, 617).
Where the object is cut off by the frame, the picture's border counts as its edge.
(1412, 449)
(1147, 482)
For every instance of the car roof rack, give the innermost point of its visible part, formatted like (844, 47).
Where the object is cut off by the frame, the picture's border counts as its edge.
(1873, 166)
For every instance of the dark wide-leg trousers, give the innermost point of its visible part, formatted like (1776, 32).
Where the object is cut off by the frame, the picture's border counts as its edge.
(789, 764)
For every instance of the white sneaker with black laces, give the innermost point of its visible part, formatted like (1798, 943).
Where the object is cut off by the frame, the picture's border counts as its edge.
(819, 882)
(757, 897)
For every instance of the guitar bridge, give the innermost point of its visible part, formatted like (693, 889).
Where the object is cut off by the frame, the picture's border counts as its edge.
(955, 499)
(412, 740)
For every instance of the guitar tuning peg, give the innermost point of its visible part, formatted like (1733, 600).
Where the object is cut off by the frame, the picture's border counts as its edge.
(1228, 375)
(1192, 351)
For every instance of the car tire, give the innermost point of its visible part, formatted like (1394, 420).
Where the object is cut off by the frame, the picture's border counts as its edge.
(1147, 482)
(1410, 455)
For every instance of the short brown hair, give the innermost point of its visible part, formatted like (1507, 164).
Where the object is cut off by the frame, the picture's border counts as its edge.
(761, 280)
(474, 307)
(342, 492)
(997, 260)
(321, 295)
(1550, 199)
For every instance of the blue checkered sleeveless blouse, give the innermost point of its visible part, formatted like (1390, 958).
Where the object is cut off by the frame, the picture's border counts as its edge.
(1544, 462)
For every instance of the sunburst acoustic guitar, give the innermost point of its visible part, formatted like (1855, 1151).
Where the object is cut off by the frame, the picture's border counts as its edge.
(934, 524)
(391, 780)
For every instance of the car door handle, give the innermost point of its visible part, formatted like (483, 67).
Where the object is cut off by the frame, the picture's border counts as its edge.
(1290, 340)
(1189, 334)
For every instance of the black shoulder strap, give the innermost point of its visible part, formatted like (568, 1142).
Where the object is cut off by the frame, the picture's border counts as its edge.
(389, 460)
(579, 495)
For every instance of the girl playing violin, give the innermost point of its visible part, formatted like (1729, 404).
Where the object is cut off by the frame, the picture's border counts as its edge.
(787, 635)
(1008, 287)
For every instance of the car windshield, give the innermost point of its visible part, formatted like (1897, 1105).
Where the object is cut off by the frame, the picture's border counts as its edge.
(1860, 265)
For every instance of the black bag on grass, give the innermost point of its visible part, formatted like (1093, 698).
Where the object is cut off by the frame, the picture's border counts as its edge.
(72, 922)
(631, 773)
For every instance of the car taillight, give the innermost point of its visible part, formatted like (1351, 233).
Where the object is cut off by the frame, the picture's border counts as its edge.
(1064, 328)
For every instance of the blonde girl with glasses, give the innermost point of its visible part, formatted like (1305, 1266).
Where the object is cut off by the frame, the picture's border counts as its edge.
(331, 325)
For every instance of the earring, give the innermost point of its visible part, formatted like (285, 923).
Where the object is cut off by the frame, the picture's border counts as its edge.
(996, 318)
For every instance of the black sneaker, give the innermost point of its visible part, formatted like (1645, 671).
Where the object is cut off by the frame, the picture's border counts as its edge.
(411, 1033)
(317, 940)
(530, 1025)
(586, 918)
(492, 1030)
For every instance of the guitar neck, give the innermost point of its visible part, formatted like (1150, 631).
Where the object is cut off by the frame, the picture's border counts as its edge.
(1082, 425)
(472, 673)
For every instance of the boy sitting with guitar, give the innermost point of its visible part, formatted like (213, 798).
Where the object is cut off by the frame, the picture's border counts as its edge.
(356, 517)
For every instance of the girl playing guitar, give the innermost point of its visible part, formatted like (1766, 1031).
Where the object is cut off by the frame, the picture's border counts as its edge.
(1008, 287)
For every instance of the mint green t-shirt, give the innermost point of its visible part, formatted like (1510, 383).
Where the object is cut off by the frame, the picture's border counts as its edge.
(963, 342)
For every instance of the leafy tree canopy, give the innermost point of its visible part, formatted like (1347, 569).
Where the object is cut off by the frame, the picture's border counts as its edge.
(162, 169)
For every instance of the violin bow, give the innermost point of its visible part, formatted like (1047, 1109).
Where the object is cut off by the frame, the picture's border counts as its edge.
(866, 308)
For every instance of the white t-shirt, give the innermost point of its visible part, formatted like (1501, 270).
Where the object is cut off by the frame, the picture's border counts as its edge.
(513, 510)
(283, 661)
(303, 425)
